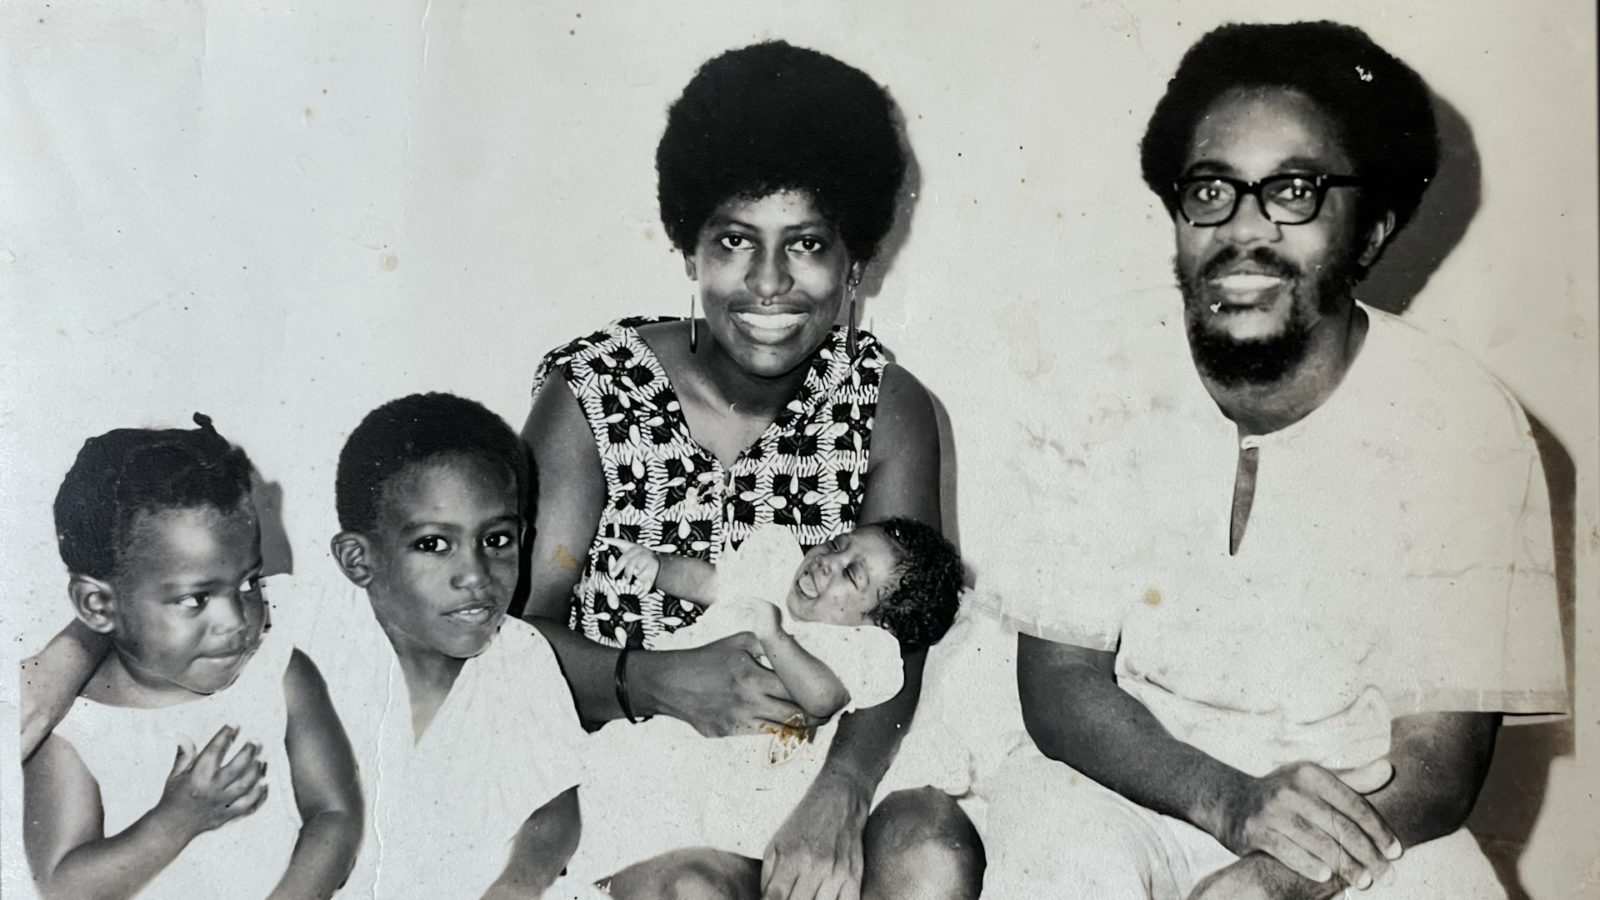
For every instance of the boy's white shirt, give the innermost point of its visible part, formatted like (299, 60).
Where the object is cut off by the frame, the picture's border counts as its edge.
(441, 812)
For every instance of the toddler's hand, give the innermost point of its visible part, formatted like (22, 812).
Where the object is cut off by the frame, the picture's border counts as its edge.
(637, 563)
(203, 793)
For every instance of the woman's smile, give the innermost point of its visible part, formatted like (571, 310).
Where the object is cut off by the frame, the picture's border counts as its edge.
(770, 325)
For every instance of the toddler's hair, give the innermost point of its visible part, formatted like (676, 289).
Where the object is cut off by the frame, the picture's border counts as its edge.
(412, 430)
(924, 602)
(128, 471)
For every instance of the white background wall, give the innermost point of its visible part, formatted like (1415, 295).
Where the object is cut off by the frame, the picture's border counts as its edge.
(285, 214)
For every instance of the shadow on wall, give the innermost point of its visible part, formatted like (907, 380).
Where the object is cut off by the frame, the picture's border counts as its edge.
(900, 230)
(277, 556)
(1513, 793)
(1440, 222)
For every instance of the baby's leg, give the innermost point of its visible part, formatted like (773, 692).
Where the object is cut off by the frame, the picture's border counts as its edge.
(695, 873)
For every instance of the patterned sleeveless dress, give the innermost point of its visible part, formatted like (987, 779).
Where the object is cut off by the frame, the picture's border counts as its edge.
(807, 471)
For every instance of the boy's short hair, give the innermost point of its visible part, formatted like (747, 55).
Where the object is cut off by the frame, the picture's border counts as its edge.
(129, 471)
(412, 430)
(924, 602)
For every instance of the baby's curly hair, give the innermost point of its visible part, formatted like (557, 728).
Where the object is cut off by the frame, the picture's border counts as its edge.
(417, 429)
(1381, 109)
(773, 117)
(928, 595)
(127, 472)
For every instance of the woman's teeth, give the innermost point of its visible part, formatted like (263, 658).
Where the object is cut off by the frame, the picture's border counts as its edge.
(770, 321)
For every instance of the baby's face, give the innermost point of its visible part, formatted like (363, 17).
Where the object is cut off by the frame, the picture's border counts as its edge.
(842, 581)
(188, 610)
(444, 556)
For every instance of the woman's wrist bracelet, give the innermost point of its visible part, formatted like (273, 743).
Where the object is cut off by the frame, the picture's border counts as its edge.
(621, 679)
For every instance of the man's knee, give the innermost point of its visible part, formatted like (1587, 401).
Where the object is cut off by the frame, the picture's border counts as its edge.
(698, 874)
(919, 844)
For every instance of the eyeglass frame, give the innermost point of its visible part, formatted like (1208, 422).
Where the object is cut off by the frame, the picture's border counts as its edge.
(1320, 183)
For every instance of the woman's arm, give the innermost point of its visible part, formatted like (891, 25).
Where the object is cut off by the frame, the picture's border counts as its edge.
(53, 678)
(903, 480)
(541, 848)
(327, 790)
(719, 688)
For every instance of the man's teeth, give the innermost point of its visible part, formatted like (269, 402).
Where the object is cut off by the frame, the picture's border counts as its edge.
(473, 614)
(1248, 282)
(771, 320)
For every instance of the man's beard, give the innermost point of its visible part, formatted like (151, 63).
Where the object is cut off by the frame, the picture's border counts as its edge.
(1232, 362)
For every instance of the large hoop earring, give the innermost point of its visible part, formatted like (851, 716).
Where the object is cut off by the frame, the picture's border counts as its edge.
(694, 333)
(850, 331)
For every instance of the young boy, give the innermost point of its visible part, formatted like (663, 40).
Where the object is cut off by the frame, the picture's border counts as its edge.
(831, 623)
(161, 540)
(463, 716)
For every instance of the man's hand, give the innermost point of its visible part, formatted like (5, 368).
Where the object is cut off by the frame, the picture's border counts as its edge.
(1308, 819)
(720, 689)
(816, 854)
(1259, 877)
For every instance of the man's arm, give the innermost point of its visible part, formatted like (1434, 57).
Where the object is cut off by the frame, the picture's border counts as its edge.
(1439, 760)
(719, 688)
(327, 789)
(541, 848)
(1302, 815)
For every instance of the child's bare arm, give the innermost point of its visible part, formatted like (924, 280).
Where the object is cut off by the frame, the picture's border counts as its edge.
(809, 680)
(66, 844)
(541, 848)
(53, 678)
(327, 789)
(681, 576)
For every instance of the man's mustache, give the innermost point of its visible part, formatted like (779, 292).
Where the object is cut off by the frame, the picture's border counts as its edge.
(1262, 257)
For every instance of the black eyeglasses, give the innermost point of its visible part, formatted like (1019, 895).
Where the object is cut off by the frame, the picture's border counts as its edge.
(1207, 201)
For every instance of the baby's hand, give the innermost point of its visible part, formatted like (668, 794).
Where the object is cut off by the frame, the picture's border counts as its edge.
(203, 793)
(765, 619)
(637, 563)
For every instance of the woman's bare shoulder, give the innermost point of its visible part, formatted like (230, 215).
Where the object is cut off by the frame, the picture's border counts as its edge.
(905, 407)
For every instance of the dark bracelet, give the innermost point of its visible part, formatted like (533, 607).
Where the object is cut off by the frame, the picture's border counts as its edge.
(621, 678)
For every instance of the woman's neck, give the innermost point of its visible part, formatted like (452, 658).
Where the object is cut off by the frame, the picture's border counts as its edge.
(724, 381)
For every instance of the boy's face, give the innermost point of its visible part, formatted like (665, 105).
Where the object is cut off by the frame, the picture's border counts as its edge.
(842, 581)
(188, 609)
(444, 556)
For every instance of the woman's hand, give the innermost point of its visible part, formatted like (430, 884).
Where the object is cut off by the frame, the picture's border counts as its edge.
(720, 689)
(816, 854)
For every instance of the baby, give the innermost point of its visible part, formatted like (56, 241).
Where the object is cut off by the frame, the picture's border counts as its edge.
(160, 537)
(831, 622)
